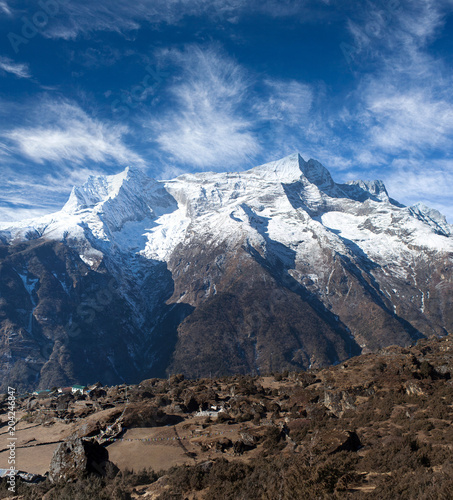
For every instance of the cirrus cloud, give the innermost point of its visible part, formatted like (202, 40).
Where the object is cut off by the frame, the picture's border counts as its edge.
(17, 69)
(206, 127)
(66, 133)
(410, 121)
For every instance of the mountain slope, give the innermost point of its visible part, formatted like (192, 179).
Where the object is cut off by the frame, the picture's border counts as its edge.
(277, 267)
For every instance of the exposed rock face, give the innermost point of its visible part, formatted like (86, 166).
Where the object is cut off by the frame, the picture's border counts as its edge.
(350, 441)
(62, 322)
(270, 269)
(76, 457)
(339, 401)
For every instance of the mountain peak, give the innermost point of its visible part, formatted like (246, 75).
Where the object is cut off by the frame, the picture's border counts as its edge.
(99, 188)
(432, 217)
(364, 190)
(288, 169)
(317, 174)
(292, 168)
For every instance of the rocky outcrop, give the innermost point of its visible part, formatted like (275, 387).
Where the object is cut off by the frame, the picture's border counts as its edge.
(77, 457)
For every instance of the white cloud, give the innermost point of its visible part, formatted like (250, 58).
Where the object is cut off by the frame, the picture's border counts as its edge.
(206, 128)
(303, 10)
(394, 31)
(63, 132)
(5, 150)
(410, 121)
(287, 101)
(55, 182)
(17, 69)
(424, 178)
(412, 181)
(429, 17)
(222, 116)
(29, 193)
(4, 7)
(123, 16)
(390, 48)
(16, 213)
(402, 104)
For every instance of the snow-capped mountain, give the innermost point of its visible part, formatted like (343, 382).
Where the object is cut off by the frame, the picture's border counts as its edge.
(275, 267)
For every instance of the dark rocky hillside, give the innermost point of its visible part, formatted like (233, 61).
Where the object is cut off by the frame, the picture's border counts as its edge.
(62, 322)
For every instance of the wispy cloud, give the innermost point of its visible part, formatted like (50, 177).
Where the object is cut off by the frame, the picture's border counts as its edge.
(31, 193)
(18, 69)
(409, 98)
(100, 56)
(4, 150)
(402, 104)
(4, 7)
(225, 116)
(427, 181)
(63, 132)
(402, 109)
(206, 127)
(122, 16)
(394, 32)
(286, 101)
(411, 120)
(12, 212)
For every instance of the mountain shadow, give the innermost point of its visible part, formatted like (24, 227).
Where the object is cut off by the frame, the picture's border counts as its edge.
(277, 261)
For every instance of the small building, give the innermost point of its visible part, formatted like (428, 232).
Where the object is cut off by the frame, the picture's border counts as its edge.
(42, 394)
(79, 389)
(65, 390)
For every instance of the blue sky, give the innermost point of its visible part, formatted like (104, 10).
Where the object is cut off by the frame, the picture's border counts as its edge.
(196, 85)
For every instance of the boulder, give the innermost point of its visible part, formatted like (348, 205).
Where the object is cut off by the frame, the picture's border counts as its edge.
(239, 447)
(96, 393)
(345, 441)
(77, 457)
(414, 389)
